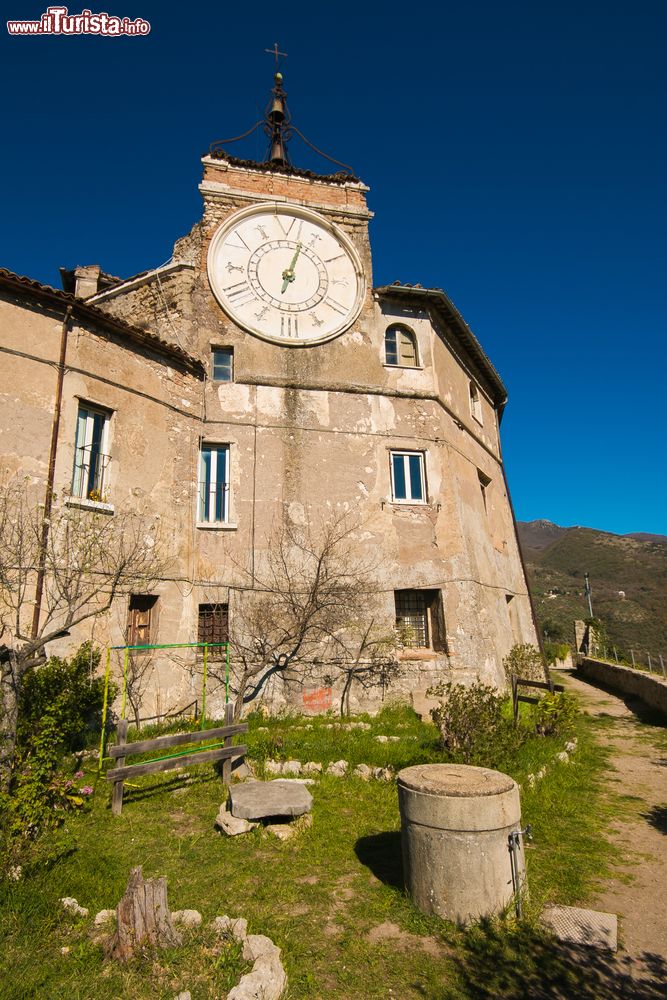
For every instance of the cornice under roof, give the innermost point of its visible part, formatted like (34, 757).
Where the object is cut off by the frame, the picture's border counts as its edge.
(441, 304)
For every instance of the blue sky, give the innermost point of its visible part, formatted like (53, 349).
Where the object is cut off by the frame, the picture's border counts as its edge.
(516, 158)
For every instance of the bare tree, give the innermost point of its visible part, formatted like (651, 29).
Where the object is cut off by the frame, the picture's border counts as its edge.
(311, 591)
(89, 558)
(365, 656)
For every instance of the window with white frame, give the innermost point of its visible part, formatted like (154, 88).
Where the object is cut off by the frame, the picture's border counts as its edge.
(400, 347)
(475, 403)
(91, 457)
(213, 505)
(408, 482)
(223, 364)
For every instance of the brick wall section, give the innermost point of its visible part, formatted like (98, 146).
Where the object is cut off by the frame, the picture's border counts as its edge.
(265, 184)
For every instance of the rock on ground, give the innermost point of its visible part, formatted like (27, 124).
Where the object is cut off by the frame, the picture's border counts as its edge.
(338, 768)
(312, 767)
(104, 917)
(187, 918)
(283, 831)
(257, 945)
(232, 825)
(363, 771)
(241, 769)
(261, 799)
(70, 904)
(267, 981)
(291, 767)
(236, 926)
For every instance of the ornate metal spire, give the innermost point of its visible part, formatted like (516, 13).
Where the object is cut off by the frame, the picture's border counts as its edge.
(277, 124)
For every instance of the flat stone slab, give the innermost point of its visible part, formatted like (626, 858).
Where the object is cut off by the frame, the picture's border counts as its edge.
(261, 799)
(592, 928)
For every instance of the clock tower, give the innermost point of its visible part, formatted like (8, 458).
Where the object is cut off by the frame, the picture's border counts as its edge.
(285, 251)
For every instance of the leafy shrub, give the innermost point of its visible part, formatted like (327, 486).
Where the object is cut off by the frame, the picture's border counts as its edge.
(526, 661)
(69, 694)
(554, 713)
(473, 726)
(40, 793)
(60, 706)
(554, 651)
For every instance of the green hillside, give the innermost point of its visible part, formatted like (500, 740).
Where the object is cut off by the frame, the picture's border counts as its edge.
(556, 561)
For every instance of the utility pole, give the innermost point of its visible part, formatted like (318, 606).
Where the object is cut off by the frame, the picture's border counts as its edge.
(587, 590)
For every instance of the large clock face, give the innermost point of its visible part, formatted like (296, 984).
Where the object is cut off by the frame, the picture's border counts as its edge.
(286, 274)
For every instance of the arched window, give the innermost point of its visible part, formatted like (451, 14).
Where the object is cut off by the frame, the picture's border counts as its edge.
(400, 347)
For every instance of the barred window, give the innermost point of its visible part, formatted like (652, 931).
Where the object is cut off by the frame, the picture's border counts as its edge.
(213, 625)
(420, 619)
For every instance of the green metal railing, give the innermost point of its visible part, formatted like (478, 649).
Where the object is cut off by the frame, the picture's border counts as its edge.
(126, 667)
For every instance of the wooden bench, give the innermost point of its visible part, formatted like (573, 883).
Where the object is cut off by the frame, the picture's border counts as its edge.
(225, 752)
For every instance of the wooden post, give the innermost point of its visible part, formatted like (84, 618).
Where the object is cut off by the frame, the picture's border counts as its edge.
(117, 794)
(515, 699)
(227, 764)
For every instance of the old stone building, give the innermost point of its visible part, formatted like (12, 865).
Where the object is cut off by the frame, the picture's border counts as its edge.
(260, 378)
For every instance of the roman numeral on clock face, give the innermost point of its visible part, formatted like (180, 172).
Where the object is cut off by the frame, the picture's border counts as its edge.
(236, 240)
(239, 293)
(336, 306)
(287, 231)
(289, 326)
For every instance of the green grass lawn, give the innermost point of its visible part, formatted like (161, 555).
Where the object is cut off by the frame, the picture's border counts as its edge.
(331, 899)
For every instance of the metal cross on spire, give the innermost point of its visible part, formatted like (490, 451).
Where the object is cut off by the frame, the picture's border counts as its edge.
(275, 51)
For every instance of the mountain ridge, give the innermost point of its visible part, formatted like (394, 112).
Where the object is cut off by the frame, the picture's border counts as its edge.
(628, 577)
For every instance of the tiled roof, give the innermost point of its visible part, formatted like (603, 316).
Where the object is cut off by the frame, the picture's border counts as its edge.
(83, 310)
(442, 305)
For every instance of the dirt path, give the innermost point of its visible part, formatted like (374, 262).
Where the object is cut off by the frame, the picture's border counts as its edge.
(639, 759)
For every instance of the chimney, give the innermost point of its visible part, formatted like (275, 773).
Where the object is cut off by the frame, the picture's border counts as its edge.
(83, 282)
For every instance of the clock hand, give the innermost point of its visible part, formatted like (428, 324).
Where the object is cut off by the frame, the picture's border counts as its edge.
(288, 273)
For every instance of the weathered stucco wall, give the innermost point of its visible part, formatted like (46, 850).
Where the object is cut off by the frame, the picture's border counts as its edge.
(310, 430)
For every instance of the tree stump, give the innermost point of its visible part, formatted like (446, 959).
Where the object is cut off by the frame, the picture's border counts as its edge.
(143, 919)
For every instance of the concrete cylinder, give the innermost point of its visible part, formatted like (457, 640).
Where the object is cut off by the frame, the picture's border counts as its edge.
(455, 826)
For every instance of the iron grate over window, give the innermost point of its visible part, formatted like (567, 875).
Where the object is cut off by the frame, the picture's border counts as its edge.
(411, 612)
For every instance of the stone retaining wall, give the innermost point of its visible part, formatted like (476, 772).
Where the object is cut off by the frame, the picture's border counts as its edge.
(650, 689)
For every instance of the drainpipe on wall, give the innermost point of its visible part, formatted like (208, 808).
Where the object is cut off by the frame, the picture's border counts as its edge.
(48, 498)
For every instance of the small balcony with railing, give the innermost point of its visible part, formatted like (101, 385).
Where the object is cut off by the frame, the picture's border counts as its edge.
(90, 479)
(213, 505)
